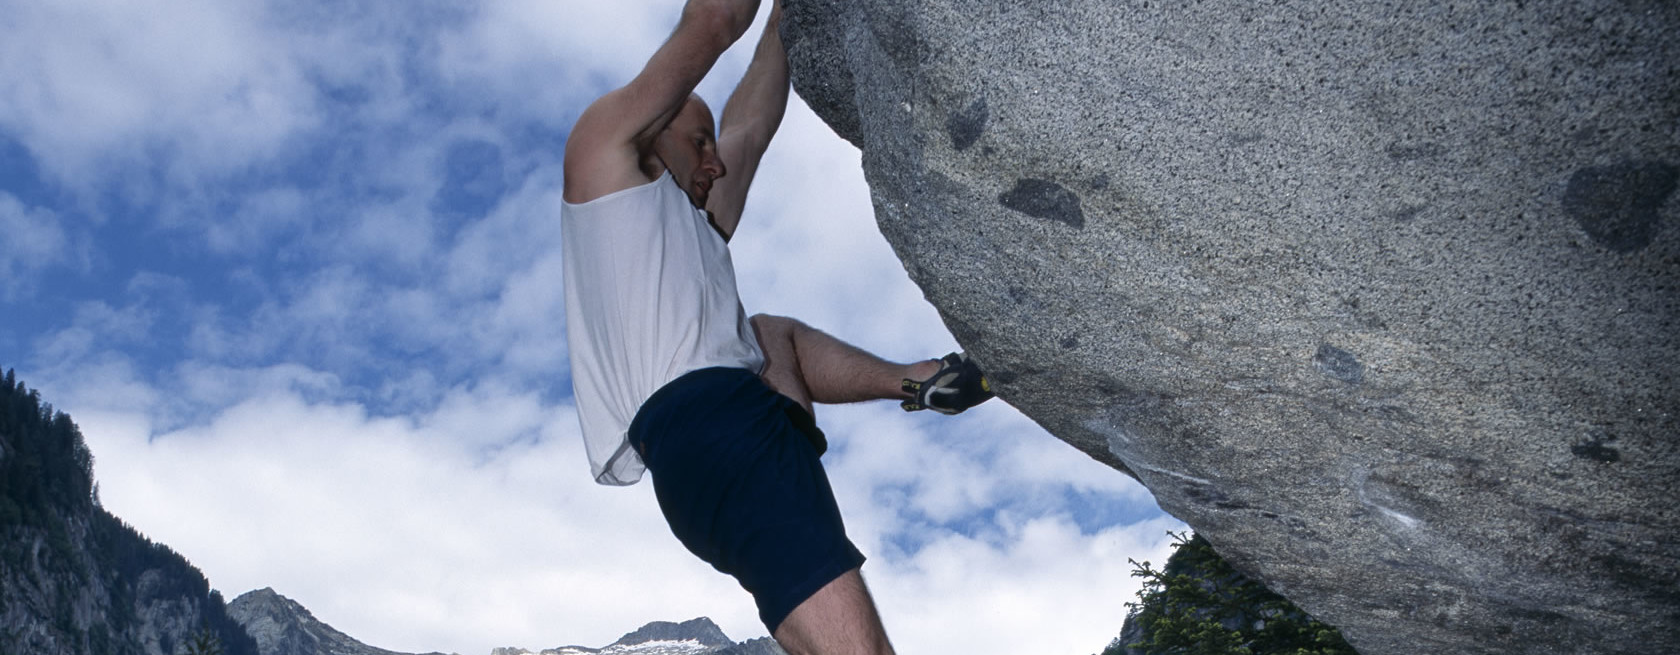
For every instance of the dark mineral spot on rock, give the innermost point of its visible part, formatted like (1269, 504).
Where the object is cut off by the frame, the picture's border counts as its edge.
(962, 330)
(1128, 400)
(1618, 205)
(1339, 364)
(1044, 199)
(1597, 450)
(1070, 343)
(1400, 151)
(1410, 212)
(966, 126)
(1244, 138)
(1208, 495)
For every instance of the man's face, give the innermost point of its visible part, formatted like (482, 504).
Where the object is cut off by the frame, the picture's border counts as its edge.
(688, 147)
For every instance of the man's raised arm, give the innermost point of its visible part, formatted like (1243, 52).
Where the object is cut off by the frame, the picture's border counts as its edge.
(605, 149)
(750, 119)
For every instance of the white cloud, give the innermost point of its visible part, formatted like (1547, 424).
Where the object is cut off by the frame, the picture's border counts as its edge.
(1048, 589)
(975, 547)
(98, 331)
(511, 260)
(31, 241)
(89, 85)
(261, 219)
(470, 526)
(474, 524)
(544, 60)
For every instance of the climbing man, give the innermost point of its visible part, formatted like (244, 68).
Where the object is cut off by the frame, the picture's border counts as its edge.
(671, 376)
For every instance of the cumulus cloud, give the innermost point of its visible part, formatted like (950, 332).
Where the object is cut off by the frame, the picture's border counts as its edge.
(466, 527)
(1018, 597)
(976, 544)
(92, 84)
(32, 240)
(354, 196)
(261, 219)
(544, 60)
(474, 525)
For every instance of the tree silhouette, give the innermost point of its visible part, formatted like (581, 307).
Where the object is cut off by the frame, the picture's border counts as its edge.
(1199, 605)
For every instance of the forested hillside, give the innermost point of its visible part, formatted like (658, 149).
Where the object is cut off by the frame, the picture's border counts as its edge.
(74, 579)
(1198, 604)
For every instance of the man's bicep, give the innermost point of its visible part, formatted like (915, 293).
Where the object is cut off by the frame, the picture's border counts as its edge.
(741, 155)
(653, 98)
(600, 158)
(606, 145)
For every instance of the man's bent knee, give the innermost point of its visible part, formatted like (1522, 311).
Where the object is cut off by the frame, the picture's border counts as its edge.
(781, 358)
(768, 325)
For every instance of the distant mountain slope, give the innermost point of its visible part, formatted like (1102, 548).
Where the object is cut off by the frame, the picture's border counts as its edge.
(74, 579)
(694, 637)
(282, 626)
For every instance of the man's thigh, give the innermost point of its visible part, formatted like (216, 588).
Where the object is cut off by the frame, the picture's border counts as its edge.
(742, 488)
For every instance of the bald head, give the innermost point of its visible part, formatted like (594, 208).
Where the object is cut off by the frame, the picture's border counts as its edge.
(688, 148)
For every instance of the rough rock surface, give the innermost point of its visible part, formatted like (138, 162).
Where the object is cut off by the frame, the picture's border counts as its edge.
(60, 594)
(1379, 297)
(74, 579)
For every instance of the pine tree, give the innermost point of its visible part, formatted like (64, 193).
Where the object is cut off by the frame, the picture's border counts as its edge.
(204, 642)
(47, 497)
(1199, 605)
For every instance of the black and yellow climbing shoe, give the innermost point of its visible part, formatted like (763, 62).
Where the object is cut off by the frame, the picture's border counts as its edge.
(957, 386)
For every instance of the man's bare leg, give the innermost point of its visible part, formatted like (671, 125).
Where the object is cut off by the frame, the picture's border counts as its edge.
(840, 619)
(809, 365)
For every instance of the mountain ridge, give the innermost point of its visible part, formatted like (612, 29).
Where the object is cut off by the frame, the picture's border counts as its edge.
(74, 578)
(282, 626)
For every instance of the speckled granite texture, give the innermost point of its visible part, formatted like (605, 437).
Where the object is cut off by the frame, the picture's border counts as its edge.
(1382, 298)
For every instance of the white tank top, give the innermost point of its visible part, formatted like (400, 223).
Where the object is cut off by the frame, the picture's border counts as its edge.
(650, 295)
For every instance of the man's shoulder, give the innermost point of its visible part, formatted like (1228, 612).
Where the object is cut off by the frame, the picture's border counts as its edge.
(600, 158)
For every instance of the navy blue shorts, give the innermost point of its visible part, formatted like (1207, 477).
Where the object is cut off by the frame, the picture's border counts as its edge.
(735, 468)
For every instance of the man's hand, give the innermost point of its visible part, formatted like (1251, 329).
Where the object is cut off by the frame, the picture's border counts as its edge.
(614, 136)
(750, 120)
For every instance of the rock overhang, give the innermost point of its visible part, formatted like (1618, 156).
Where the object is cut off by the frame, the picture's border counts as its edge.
(1380, 299)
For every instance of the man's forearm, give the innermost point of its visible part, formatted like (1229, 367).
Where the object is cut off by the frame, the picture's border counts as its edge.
(750, 119)
(727, 19)
(759, 101)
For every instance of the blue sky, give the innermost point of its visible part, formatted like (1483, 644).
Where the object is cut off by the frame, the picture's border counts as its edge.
(293, 267)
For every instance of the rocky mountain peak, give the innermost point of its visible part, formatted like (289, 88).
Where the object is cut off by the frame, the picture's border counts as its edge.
(281, 626)
(700, 631)
(693, 637)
